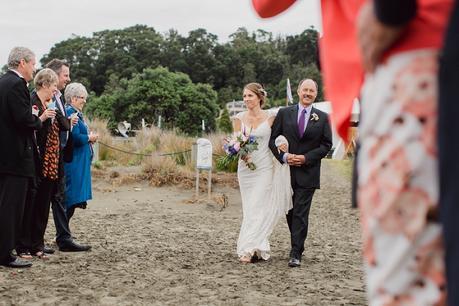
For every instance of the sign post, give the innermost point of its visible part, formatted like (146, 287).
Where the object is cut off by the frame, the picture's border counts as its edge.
(203, 152)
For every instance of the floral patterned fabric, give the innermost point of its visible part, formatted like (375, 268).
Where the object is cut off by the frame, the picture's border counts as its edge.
(397, 188)
(51, 155)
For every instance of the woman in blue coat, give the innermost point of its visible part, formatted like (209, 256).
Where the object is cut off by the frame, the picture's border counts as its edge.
(78, 171)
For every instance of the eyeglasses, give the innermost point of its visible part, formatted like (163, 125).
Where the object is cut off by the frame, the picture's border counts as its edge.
(82, 98)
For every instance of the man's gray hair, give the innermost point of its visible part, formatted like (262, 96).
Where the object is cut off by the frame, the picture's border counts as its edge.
(74, 90)
(18, 54)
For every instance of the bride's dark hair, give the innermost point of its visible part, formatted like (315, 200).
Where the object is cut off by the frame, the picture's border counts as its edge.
(259, 90)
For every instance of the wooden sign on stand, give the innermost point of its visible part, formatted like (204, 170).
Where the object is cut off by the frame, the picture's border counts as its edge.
(202, 155)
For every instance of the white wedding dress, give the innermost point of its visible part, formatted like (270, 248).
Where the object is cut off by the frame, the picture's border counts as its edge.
(265, 192)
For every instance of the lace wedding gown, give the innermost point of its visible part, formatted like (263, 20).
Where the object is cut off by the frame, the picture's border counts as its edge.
(265, 193)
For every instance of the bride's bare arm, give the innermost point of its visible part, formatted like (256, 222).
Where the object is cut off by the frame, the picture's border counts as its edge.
(271, 120)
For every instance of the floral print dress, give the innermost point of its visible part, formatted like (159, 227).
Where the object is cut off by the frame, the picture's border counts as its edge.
(397, 187)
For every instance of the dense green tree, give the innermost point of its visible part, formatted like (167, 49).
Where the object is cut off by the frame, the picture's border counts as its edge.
(302, 48)
(82, 55)
(246, 57)
(172, 48)
(199, 102)
(199, 56)
(154, 92)
(228, 94)
(224, 122)
(115, 67)
(121, 52)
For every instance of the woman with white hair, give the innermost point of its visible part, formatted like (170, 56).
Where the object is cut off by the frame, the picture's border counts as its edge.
(78, 171)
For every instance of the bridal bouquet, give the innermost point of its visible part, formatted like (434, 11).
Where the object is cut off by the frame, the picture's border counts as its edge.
(238, 146)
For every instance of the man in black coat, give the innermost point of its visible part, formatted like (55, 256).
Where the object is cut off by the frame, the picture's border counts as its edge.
(309, 135)
(17, 161)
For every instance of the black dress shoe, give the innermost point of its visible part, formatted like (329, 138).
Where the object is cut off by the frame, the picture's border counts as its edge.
(18, 263)
(72, 246)
(293, 262)
(48, 250)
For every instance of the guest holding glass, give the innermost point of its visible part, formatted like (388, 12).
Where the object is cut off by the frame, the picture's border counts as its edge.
(48, 171)
(78, 171)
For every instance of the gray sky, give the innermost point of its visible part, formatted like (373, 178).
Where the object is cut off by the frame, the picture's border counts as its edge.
(40, 24)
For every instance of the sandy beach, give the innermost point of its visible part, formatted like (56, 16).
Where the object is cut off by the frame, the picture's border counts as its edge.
(153, 246)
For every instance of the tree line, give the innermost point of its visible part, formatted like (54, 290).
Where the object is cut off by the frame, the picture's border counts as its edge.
(136, 72)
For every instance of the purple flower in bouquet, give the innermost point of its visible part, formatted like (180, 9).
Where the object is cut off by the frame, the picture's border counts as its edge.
(240, 146)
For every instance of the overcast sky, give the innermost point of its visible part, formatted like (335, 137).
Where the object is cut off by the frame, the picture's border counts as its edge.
(40, 24)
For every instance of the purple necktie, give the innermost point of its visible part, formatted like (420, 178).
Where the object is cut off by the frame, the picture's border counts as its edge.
(301, 122)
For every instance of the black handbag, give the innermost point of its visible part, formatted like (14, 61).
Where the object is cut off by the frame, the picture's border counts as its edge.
(68, 150)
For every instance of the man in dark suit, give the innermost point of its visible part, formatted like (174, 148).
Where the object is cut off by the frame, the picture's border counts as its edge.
(17, 162)
(310, 139)
(64, 239)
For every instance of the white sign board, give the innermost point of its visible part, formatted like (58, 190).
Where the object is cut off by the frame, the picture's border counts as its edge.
(204, 154)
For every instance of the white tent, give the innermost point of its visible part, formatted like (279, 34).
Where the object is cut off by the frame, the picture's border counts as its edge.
(325, 106)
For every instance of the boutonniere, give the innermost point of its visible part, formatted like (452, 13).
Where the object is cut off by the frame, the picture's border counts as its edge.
(314, 117)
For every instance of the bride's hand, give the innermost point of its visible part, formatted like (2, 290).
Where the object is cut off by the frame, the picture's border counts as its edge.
(282, 148)
(245, 158)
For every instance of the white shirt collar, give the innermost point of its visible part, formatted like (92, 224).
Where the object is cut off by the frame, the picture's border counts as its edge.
(19, 75)
(17, 72)
(301, 107)
(58, 94)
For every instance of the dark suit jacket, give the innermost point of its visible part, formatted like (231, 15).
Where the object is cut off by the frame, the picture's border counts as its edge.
(314, 145)
(17, 125)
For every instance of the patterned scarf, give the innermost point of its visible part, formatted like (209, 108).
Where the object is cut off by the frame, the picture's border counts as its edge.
(51, 157)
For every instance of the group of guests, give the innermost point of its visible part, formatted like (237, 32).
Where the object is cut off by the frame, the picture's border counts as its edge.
(45, 158)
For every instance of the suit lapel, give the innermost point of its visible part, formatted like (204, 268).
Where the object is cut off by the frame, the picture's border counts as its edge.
(311, 122)
(294, 118)
(60, 105)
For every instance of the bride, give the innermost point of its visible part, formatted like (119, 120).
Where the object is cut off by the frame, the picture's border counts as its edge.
(265, 191)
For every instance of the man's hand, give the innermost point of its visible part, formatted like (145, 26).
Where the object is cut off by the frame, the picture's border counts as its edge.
(299, 160)
(374, 37)
(291, 159)
(296, 160)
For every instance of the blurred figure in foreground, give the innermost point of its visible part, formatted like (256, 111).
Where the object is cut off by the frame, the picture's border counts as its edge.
(398, 182)
(448, 151)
